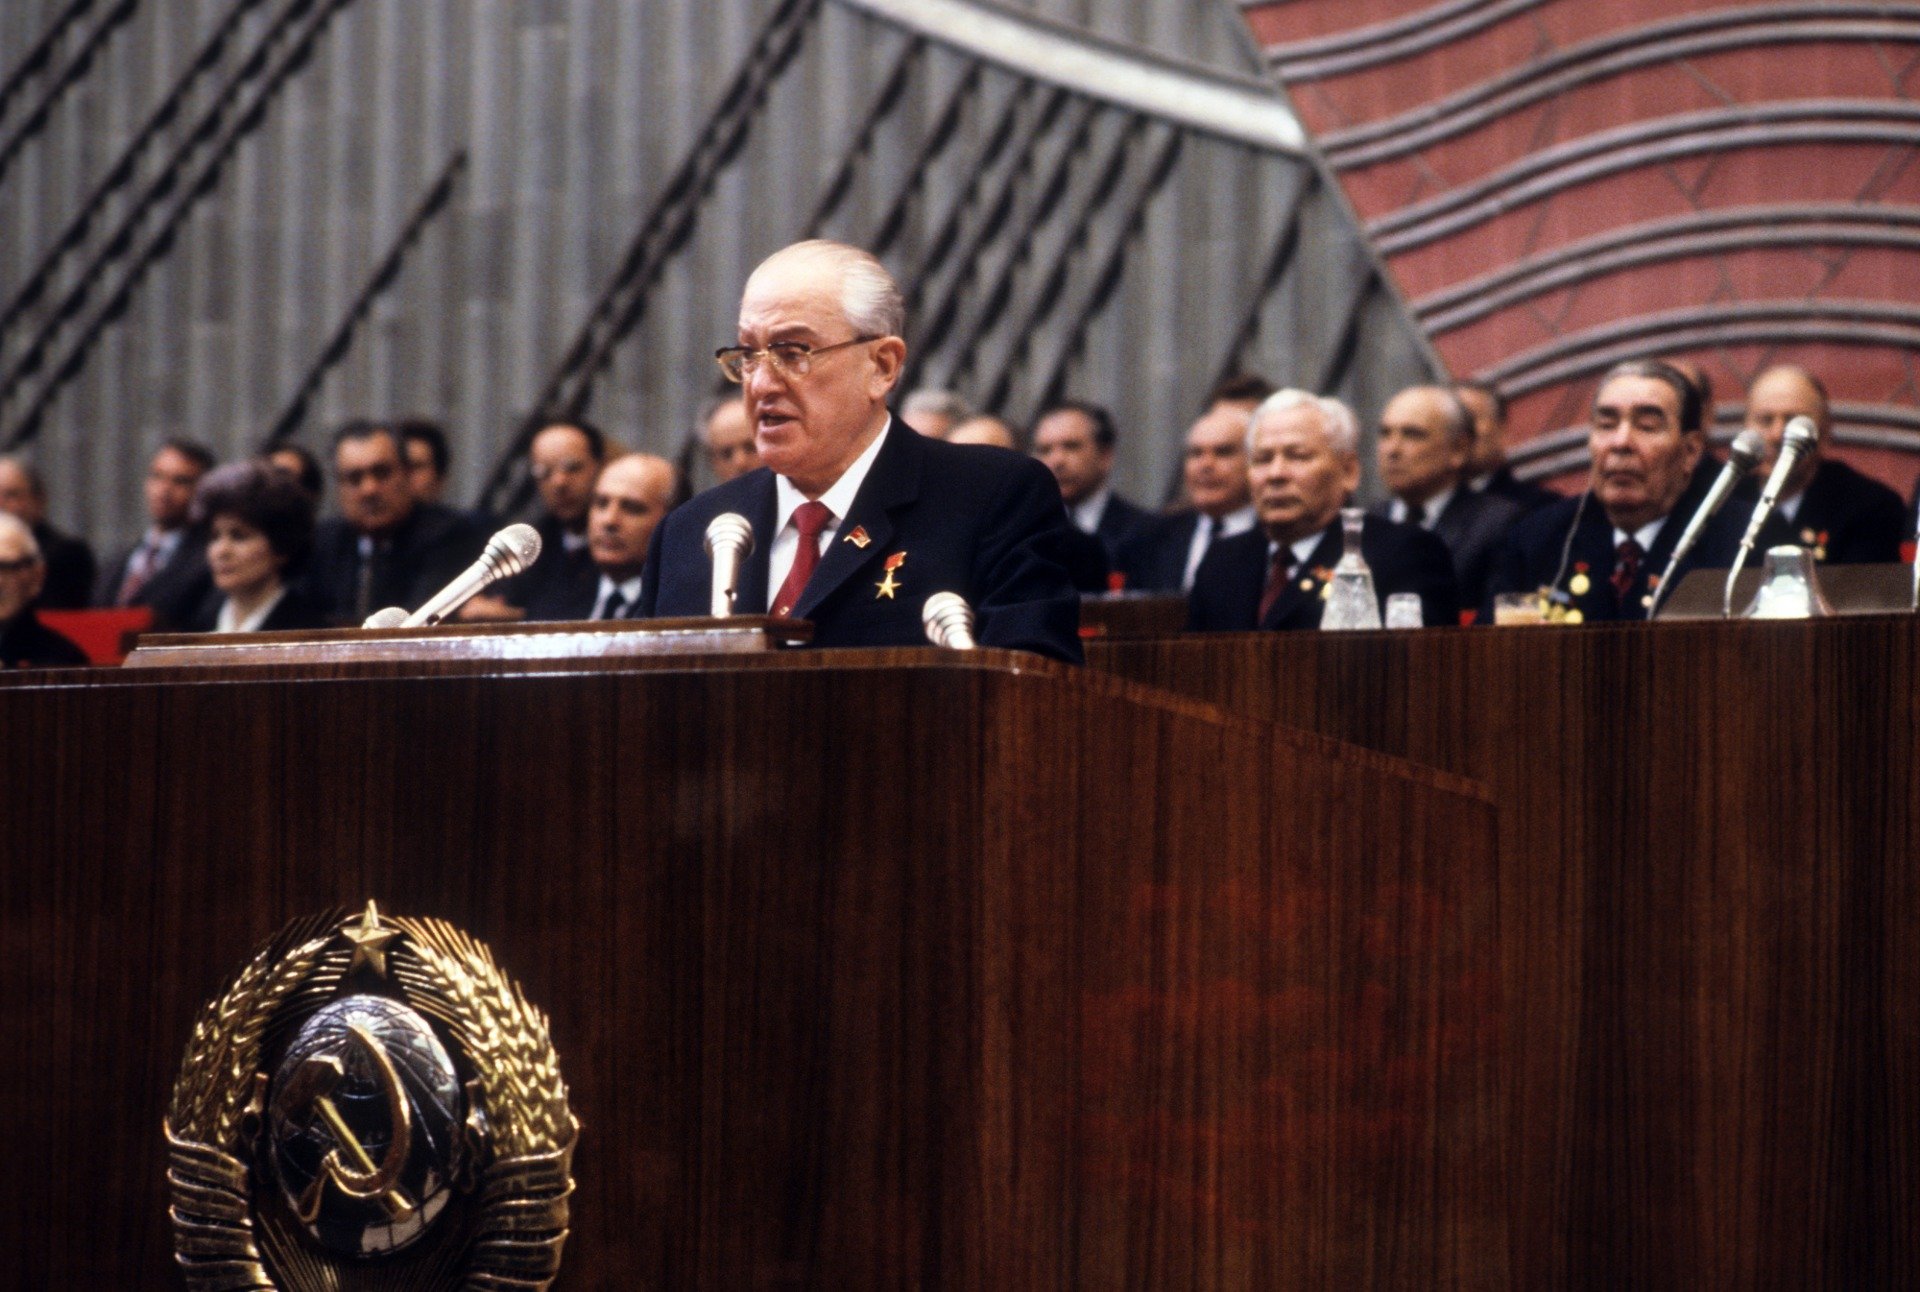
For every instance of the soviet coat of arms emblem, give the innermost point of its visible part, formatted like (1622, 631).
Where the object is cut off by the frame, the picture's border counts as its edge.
(370, 1104)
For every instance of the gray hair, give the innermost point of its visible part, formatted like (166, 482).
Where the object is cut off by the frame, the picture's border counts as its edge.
(1342, 428)
(869, 297)
(12, 524)
(941, 403)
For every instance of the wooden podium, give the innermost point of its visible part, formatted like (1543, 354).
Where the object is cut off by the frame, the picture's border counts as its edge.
(904, 968)
(1710, 913)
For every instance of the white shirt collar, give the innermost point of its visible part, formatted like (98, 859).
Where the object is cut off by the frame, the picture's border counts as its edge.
(838, 498)
(1088, 511)
(628, 589)
(1644, 536)
(1430, 509)
(1302, 547)
(1237, 522)
(229, 622)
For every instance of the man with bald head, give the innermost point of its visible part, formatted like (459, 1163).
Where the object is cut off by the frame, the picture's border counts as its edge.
(1832, 510)
(857, 519)
(630, 496)
(1165, 554)
(25, 642)
(1303, 462)
(1426, 442)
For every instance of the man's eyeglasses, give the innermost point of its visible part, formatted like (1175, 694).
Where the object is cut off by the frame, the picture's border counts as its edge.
(790, 359)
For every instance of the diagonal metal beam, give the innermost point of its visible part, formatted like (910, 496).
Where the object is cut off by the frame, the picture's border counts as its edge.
(40, 57)
(76, 71)
(892, 89)
(383, 277)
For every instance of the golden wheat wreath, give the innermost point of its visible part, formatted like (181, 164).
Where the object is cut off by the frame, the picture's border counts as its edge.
(514, 1147)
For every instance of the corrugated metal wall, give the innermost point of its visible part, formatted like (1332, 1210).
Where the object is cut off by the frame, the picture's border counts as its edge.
(573, 115)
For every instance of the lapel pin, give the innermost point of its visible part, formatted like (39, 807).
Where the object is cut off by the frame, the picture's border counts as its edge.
(887, 586)
(859, 537)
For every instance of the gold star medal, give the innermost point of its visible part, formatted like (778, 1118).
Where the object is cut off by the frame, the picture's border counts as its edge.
(887, 586)
(370, 938)
(1579, 585)
(859, 537)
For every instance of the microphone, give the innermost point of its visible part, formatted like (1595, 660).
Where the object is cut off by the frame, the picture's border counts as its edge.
(1742, 455)
(1799, 440)
(391, 617)
(729, 542)
(510, 551)
(949, 621)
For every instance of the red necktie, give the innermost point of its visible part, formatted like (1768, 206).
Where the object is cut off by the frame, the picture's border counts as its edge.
(809, 518)
(1278, 576)
(1626, 570)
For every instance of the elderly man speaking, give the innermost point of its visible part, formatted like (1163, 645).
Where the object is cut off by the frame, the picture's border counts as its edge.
(857, 519)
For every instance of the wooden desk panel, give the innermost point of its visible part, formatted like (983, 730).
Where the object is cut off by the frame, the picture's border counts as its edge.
(865, 969)
(1710, 900)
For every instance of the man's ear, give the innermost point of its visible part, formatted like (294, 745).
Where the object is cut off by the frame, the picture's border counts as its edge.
(889, 357)
(1695, 443)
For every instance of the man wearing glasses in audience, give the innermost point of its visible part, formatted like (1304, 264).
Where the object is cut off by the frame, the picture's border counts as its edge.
(857, 519)
(384, 549)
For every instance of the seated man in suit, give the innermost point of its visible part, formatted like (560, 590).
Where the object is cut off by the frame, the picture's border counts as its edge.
(167, 569)
(857, 518)
(1599, 556)
(1164, 554)
(1426, 437)
(67, 561)
(25, 642)
(1839, 515)
(1076, 441)
(630, 496)
(384, 549)
(1303, 456)
(1487, 470)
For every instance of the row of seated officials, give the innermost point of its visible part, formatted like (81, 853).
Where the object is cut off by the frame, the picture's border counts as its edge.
(239, 548)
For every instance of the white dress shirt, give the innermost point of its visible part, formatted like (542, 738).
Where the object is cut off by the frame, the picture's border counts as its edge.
(1429, 510)
(1208, 530)
(838, 499)
(1087, 512)
(628, 589)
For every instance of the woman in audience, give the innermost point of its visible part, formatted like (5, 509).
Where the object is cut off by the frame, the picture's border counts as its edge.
(259, 529)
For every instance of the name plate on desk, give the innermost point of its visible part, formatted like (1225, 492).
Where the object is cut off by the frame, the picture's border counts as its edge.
(608, 639)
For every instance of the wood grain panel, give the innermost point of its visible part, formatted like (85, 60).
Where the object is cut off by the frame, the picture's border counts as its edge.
(1707, 896)
(866, 969)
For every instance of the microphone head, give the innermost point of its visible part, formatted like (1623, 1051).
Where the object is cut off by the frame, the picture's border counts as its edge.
(1746, 451)
(949, 620)
(1801, 434)
(512, 550)
(391, 617)
(730, 529)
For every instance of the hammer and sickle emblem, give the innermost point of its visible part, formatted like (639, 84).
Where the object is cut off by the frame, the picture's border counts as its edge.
(313, 1083)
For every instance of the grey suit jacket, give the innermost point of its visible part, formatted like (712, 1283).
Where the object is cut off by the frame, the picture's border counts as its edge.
(1473, 527)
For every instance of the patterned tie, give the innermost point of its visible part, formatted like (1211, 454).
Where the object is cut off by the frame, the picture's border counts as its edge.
(1279, 574)
(1626, 570)
(809, 518)
(139, 571)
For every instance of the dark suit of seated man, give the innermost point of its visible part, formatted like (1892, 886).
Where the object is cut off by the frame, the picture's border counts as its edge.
(1426, 435)
(857, 519)
(384, 549)
(1839, 515)
(630, 496)
(1303, 463)
(1599, 556)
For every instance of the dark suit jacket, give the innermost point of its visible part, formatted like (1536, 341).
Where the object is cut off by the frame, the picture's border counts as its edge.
(982, 522)
(1473, 527)
(25, 642)
(1844, 518)
(176, 592)
(1531, 557)
(1523, 493)
(570, 596)
(70, 570)
(297, 611)
(553, 574)
(1233, 575)
(428, 550)
(1119, 521)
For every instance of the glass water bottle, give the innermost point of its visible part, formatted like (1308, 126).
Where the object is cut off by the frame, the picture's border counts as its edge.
(1351, 602)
